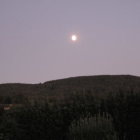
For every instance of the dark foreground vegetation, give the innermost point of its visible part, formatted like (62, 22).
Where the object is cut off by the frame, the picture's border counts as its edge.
(81, 117)
(83, 108)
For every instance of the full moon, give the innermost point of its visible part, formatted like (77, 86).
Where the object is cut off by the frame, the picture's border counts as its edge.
(74, 38)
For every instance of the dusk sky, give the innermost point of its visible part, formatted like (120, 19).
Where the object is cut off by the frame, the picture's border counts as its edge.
(36, 46)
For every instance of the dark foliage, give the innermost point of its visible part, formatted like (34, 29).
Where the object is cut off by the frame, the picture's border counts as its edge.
(125, 111)
(43, 120)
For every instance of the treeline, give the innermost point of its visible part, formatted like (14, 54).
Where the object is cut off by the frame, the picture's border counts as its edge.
(79, 117)
(16, 99)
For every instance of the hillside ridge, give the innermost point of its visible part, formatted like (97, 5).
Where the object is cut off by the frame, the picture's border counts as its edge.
(98, 84)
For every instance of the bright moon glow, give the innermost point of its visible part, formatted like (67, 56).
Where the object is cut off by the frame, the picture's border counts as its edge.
(74, 38)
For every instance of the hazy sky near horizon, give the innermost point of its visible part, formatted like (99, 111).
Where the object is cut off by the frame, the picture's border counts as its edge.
(35, 43)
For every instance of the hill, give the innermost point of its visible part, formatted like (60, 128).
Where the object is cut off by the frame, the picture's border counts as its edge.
(78, 107)
(97, 85)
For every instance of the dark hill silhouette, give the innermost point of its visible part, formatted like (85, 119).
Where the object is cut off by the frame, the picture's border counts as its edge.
(97, 85)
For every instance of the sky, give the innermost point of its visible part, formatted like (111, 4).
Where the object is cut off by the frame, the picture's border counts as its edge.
(35, 44)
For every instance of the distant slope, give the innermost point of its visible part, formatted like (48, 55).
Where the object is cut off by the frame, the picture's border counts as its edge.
(98, 85)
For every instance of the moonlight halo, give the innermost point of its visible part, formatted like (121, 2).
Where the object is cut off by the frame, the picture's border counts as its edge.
(74, 37)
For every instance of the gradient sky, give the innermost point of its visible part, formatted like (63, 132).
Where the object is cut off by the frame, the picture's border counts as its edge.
(35, 43)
